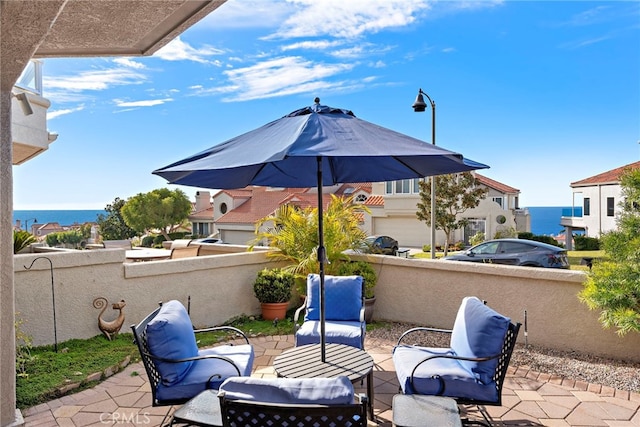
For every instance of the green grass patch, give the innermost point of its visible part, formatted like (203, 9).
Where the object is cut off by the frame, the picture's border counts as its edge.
(47, 372)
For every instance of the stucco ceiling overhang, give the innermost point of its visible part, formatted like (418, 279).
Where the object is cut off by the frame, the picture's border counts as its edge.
(71, 28)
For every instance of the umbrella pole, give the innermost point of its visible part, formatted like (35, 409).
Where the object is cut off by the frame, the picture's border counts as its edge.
(321, 259)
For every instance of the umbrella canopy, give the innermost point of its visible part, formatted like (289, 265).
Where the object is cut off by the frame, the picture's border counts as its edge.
(316, 145)
(283, 154)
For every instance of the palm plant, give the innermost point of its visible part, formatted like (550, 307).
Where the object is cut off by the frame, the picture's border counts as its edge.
(22, 239)
(293, 232)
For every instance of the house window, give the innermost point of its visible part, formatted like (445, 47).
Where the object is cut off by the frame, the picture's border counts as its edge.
(498, 200)
(223, 208)
(405, 186)
(610, 206)
(201, 228)
(361, 198)
(587, 206)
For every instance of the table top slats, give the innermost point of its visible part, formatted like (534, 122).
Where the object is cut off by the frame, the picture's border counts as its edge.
(305, 362)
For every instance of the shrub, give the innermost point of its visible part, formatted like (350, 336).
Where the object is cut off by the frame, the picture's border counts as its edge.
(364, 269)
(477, 238)
(505, 232)
(584, 243)
(147, 241)
(273, 285)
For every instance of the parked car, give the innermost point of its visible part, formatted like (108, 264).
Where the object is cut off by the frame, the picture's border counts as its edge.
(515, 252)
(380, 245)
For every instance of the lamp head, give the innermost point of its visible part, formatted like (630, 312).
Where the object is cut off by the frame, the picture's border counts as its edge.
(419, 105)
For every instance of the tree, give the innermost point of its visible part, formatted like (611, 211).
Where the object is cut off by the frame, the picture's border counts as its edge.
(112, 226)
(161, 209)
(613, 286)
(294, 233)
(455, 193)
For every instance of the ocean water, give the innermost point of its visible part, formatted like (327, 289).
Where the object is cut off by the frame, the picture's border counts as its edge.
(62, 217)
(544, 219)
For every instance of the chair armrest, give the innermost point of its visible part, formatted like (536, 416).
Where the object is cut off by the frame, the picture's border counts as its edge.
(223, 328)
(448, 356)
(296, 315)
(421, 329)
(191, 359)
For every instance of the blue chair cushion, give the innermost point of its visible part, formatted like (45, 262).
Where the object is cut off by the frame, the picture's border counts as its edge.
(457, 380)
(319, 391)
(209, 373)
(336, 332)
(478, 331)
(170, 336)
(343, 297)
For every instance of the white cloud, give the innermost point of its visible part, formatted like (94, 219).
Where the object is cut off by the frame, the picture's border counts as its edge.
(145, 103)
(177, 50)
(128, 62)
(348, 19)
(96, 80)
(57, 113)
(279, 77)
(318, 44)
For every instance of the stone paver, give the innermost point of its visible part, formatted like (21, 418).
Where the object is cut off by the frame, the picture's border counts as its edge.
(528, 398)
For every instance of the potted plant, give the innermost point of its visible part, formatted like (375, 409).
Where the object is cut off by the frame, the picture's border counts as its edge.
(370, 278)
(273, 287)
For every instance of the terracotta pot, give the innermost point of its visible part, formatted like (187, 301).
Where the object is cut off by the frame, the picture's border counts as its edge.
(273, 310)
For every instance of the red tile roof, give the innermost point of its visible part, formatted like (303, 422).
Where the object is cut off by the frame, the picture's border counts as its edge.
(503, 188)
(608, 177)
(264, 201)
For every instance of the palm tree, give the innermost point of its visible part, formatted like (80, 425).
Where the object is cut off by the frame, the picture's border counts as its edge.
(293, 232)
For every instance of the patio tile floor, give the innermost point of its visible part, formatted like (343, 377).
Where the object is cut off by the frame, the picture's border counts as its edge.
(529, 398)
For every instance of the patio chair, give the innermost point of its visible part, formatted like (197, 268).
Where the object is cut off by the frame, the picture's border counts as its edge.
(292, 402)
(472, 369)
(176, 368)
(344, 312)
(184, 252)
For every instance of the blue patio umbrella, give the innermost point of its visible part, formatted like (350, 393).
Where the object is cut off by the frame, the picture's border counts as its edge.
(315, 146)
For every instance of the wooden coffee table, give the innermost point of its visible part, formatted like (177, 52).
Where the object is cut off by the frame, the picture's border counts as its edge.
(306, 362)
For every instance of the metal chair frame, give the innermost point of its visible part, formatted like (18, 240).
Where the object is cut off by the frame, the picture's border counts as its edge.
(240, 413)
(148, 359)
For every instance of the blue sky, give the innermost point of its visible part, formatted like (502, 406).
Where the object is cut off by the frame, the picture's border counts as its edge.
(546, 93)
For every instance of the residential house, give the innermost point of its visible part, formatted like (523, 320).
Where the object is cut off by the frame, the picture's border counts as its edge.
(599, 196)
(393, 213)
(392, 206)
(235, 212)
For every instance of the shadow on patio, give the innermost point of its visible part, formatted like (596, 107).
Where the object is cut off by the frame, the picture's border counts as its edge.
(529, 398)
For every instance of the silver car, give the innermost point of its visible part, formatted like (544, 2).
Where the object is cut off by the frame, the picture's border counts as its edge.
(515, 252)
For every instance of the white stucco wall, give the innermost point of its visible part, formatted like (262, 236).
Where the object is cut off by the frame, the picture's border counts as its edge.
(426, 292)
(597, 222)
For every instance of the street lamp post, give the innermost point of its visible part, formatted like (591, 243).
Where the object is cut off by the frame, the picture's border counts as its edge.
(420, 106)
(26, 223)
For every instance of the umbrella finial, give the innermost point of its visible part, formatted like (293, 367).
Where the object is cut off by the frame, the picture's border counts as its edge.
(317, 100)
